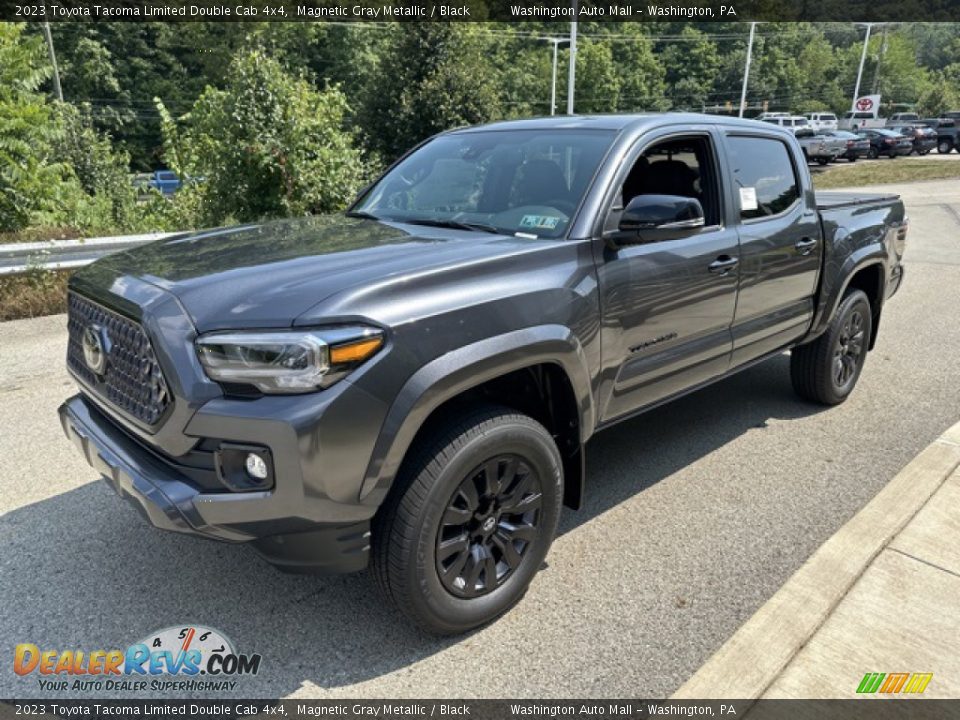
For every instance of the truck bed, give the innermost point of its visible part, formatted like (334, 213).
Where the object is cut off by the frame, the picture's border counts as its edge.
(830, 200)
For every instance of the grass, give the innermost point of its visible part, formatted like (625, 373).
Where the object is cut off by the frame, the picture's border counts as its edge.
(884, 172)
(36, 234)
(35, 293)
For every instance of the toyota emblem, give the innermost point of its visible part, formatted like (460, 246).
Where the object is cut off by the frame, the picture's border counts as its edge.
(93, 350)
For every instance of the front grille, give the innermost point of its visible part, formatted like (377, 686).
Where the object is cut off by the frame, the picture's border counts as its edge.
(131, 379)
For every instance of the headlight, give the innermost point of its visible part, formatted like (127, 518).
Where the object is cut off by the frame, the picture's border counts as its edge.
(287, 362)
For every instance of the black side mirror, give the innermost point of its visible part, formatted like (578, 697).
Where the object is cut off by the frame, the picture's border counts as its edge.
(648, 218)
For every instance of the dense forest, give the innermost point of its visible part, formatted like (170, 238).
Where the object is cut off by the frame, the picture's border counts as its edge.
(291, 118)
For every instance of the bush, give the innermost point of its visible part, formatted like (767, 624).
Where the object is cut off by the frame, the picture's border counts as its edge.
(30, 173)
(267, 145)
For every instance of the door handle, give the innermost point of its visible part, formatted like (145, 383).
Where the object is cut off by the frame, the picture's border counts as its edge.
(806, 245)
(723, 264)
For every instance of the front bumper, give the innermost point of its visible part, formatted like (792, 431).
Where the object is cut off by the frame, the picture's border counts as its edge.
(169, 501)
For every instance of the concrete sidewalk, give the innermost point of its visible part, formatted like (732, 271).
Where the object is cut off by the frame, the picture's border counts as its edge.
(880, 596)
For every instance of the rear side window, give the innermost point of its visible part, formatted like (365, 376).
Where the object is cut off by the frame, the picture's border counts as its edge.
(764, 174)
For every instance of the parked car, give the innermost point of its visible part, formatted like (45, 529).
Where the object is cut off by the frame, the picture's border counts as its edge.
(859, 120)
(924, 139)
(413, 383)
(822, 121)
(886, 142)
(952, 114)
(948, 133)
(819, 147)
(166, 181)
(855, 146)
(902, 118)
(791, 122)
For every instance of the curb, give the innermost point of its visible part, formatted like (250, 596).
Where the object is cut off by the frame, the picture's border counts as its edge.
(747, 663)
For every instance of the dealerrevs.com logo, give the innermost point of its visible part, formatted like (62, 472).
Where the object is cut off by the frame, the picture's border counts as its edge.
(184, 658)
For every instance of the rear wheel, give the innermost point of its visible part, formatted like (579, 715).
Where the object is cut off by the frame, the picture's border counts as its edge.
(944, 147)
(826, 370)
(470, 520)
(872, 153)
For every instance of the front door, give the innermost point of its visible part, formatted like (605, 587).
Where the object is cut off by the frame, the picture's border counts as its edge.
(667, 307)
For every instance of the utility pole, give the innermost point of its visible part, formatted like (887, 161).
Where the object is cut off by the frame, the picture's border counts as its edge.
(58, 91)
(883, 50)
(863, 58)
(746, 70)
(572, 78)
(553, 82)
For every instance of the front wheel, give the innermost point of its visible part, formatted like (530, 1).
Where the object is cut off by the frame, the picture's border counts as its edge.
(872, 153)
(944, 147)
(470, 519)
(826, 370)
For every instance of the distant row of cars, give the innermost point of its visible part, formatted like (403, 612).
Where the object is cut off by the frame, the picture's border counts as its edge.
(903, 134)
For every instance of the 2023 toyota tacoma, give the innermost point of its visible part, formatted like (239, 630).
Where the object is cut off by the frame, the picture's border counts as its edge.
(413, 382)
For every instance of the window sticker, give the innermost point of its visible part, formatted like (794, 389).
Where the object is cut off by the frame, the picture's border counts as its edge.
(748, 198)
(540, 222)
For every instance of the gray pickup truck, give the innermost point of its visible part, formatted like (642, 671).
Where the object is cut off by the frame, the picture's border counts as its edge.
(412, 384)
(822, 148)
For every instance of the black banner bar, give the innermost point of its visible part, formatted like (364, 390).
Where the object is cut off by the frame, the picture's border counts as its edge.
(619, 709)
(480, 10)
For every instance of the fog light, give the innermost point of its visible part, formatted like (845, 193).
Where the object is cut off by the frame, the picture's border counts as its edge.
(256, 467)
(244, 468)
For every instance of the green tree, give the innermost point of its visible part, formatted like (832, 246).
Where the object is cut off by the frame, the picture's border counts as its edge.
(439, 78)
(692, 65)
(30, 172)
(269, 144)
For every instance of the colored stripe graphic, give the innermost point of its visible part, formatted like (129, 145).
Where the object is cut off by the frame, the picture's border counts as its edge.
(893, 683)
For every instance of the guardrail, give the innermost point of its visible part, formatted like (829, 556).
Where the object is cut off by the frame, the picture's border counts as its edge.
(18, 258)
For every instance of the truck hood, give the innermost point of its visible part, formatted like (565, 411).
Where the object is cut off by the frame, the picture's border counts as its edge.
(266, 275)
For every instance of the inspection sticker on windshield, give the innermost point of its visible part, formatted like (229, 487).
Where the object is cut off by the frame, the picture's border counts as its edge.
(748, 198)
(540, 222)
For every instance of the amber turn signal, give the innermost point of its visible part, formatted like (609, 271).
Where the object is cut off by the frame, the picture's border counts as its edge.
(356, 351)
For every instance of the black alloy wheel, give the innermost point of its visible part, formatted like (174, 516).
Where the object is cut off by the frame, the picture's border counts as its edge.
(848, 352)
(826, 369)
(488, 526)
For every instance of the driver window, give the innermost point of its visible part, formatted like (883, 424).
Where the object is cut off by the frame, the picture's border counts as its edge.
(679, 166)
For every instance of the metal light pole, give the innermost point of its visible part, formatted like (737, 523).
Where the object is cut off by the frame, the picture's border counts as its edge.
(746, 70)
(571, 79)
(553, 82)
(863, 58)
(53, 61)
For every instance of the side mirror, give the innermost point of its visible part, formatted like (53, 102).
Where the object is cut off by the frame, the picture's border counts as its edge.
(648, 218)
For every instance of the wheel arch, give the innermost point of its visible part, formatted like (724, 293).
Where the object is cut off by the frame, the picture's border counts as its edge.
(541, 371)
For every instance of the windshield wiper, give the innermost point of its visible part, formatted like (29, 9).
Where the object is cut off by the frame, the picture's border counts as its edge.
(454, 224)
(363, 214)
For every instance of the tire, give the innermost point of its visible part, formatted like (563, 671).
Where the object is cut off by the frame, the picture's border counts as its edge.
(822, 161)
(852, 159)
(826, 370)
(872, 153)
(431, 504)
(944, 147)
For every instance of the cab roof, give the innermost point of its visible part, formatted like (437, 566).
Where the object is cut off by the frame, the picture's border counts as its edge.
(617, 123)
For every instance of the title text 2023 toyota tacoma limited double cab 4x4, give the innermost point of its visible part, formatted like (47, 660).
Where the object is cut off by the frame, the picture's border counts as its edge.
(412, 384)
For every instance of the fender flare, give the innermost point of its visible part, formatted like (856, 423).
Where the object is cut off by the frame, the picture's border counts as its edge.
(869, 256)
(462, 369)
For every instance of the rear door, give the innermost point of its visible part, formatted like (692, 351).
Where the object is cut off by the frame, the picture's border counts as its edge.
(780, 248)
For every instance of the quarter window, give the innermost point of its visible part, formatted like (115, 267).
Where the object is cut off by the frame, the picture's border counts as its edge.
(764, 174)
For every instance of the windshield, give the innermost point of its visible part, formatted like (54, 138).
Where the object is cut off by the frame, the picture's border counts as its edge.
(529, 182)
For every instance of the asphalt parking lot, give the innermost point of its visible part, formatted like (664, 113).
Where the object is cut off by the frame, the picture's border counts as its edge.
(696, 514)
